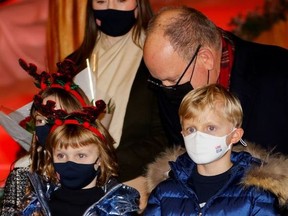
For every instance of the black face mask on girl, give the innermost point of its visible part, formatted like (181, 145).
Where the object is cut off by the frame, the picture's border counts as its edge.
(74, 175)
(115, 22)
(42, 133)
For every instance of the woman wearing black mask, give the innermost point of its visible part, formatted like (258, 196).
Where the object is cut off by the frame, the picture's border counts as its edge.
(113, 41)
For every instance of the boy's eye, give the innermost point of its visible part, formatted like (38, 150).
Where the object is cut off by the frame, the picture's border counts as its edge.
(190, 130)
(211, 128)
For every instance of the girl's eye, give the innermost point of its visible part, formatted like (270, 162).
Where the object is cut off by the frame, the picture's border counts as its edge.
(81, 155)
(60, 156)
(40, 121)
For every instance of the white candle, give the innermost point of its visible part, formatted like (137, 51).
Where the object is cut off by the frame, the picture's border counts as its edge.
(90, 81)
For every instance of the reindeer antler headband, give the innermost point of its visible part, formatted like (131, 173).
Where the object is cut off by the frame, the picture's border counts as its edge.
(85, 118)
(63, 78)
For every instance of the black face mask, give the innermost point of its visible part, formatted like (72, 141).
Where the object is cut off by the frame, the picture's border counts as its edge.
(169, 101)
(174, 94)
(75, 176)
(42, 133)
(178, 92)
(170, 98)
(115, 22)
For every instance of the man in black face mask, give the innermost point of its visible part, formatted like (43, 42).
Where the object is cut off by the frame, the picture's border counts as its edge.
(255, 73)
(170, 97)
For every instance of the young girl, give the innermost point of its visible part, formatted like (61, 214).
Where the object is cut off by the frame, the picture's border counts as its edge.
(78, 177)
(113, 39)
(54, 87)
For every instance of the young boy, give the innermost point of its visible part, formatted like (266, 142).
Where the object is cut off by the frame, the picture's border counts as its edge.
(210, 179)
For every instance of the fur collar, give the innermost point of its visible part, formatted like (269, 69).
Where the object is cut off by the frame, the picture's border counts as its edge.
(272, 175)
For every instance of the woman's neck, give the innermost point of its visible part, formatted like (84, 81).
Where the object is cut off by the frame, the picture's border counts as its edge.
(109, 40)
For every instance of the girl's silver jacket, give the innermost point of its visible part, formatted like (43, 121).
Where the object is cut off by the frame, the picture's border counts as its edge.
(119, 199)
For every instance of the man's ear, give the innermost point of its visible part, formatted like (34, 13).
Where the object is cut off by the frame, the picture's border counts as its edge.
(207, 58)
(237, 135)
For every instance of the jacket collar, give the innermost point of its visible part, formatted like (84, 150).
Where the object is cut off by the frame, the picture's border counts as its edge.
(268, 171)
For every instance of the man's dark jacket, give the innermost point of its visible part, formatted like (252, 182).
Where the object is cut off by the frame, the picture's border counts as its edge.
(259, 78)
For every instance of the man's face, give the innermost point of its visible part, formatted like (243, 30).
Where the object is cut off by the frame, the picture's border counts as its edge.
(166, 65)
(162, 61)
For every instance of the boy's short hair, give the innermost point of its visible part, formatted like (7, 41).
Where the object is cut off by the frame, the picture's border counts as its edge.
(212, 96)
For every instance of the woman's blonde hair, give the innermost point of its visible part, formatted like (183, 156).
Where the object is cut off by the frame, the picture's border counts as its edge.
(212, 96)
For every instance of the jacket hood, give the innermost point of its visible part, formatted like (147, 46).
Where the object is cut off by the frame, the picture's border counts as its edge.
(271, 175)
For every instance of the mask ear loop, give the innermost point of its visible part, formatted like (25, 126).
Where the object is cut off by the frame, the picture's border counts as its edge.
(243, 142)
(193, 68)
(98, 166)
(230, 145)
(189, 64)
(97, 160)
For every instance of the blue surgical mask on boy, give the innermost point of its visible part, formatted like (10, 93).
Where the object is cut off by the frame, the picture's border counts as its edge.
(75, 176)
(115, 22)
